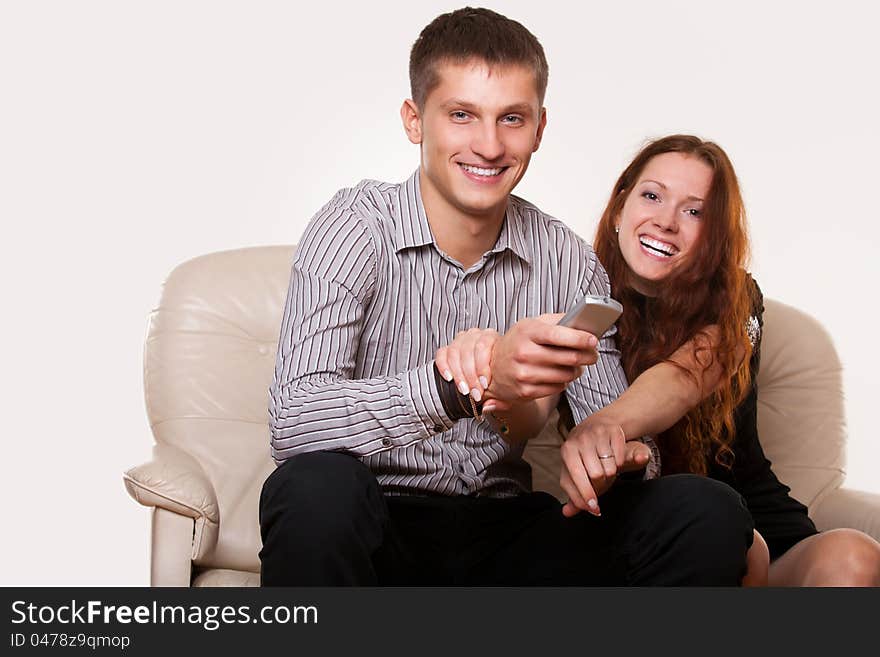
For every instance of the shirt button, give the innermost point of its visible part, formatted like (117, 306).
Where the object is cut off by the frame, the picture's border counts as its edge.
(386, 442)
(438, 428)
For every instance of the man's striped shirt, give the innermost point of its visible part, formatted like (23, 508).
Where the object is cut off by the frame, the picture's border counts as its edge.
(370, 301)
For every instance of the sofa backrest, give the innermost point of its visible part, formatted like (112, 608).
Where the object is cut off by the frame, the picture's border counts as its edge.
(801, 410)
(210, 354)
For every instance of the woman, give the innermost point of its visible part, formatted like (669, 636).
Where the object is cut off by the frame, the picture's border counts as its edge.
(673, 240)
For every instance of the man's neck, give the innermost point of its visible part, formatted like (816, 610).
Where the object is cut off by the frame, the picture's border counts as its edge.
(462, 236)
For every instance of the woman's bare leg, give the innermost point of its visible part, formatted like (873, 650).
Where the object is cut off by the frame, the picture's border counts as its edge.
(757, 563)
(839, 557)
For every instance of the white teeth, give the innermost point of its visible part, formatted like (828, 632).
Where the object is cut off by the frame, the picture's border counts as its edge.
(661, 248)
(481, 172)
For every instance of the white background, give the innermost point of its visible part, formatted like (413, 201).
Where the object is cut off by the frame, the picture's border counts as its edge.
(134, 136)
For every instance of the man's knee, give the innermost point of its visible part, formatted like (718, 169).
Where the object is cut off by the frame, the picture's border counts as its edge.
(707, 505)
(719, 525)
(708, 500)
(701, 526)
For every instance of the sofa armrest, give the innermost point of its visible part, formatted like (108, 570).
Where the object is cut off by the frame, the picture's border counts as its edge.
(846, 507)
(171, 549)
(175, 481)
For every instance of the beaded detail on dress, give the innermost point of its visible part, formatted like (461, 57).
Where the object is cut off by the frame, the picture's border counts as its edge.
(753, 328)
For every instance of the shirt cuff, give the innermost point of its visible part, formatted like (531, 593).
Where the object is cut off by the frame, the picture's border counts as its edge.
(652, 469)
(422, 391)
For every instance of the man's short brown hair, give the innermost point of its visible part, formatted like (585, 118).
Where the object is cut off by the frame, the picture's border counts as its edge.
(473, 33)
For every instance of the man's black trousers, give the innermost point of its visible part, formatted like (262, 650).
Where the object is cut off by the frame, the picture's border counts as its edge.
(324, 521)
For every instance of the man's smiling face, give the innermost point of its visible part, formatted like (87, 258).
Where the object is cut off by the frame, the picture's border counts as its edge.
(478, 130)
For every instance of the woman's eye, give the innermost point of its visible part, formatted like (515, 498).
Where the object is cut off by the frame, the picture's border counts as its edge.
(651, 196)
(695, 212)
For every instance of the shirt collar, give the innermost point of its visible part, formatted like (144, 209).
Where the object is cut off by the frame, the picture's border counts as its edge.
(413, 229)
(512, 232)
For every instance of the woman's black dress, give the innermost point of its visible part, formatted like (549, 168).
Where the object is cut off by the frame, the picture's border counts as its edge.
(781, 520)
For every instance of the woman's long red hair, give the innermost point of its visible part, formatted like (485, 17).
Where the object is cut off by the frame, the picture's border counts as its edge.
(708, 288)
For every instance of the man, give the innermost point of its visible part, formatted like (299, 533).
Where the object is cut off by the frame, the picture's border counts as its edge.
(387, 474)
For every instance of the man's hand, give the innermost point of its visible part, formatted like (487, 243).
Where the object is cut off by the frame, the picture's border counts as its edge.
(592, 456)
(537, 358)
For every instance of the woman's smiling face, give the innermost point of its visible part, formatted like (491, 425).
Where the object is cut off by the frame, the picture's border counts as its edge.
(662, 217)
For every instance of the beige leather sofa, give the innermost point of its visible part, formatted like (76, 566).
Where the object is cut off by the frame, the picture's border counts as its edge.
(209, 358)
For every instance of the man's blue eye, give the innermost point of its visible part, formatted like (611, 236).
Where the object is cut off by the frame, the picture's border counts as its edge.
(459, 115)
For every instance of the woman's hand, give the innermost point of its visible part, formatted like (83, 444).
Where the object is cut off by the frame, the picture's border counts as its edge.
(467, 362)
(592, 456)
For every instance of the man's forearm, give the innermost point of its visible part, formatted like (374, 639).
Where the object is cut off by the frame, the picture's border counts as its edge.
(359, 417)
